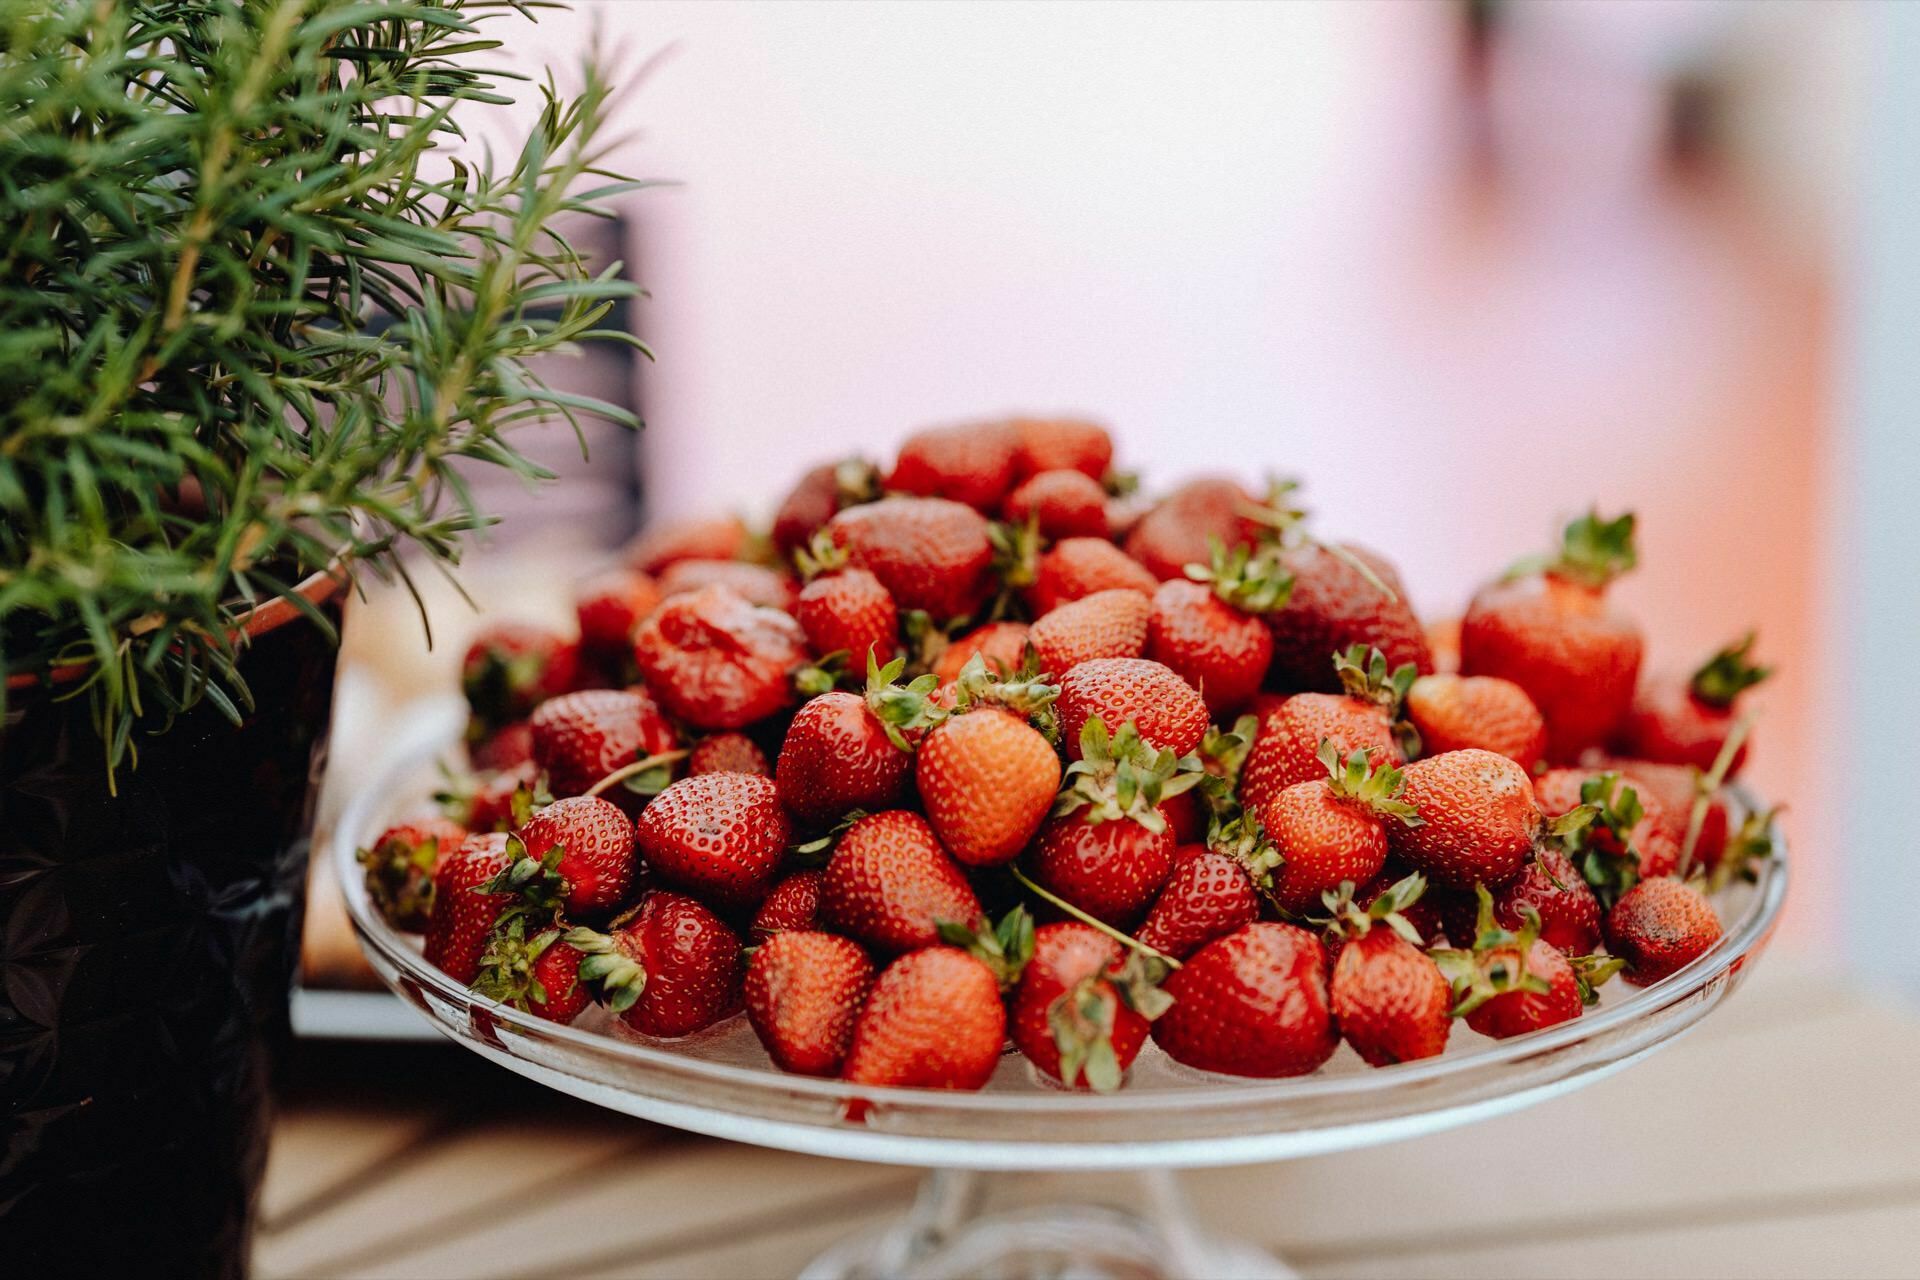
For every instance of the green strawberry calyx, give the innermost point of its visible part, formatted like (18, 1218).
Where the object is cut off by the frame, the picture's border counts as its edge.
(1016, 554)
(1122, 776)
(1597, 836)
(1363, 674)
(906, 711)
(856, 482)
(1727, 674)
(1495, 964)
(1591, 973)
(1026, 692)
(1347, 919)
(1005, 948)
(1245, 841)
(1082, 1017)
(1592, 552)
(507, 965)
(821, 555)
(612, 976)
(1252, 581)
(1376, 787)
(535, 881)
(399, 875)
(1753, 841)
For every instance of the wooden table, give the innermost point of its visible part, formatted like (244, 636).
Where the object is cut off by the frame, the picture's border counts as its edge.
(1781, 1139)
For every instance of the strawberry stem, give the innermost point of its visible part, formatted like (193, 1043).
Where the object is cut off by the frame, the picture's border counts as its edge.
(1708, 784)
(626, 771)
(1124, 939)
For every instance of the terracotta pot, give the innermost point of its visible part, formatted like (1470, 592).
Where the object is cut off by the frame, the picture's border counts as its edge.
(147, 948)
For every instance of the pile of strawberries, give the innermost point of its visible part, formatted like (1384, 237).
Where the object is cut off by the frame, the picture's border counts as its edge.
(989, 748)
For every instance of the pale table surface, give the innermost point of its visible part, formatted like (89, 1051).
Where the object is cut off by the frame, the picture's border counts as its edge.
(1781, 1139)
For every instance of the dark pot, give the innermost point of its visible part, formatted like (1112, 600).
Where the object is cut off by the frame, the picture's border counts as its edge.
(147, 949)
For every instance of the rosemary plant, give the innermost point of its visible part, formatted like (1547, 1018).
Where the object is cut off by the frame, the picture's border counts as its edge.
(256, 312)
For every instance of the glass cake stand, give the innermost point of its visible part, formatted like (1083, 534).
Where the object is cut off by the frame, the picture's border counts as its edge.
(985, 1150)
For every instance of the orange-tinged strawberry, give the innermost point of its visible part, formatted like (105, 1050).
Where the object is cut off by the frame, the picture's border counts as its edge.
(609, 606)
(1689, 721)
(1061, 504)
(933, 1020)
(728, 753)
(794, 903)
(1333, 830)
(889, 884)
(1166, 710)
(1659, 927)
(464, 915)
(1552, 632)
(399, 869)
(1056, 444)
(658, 547)
(849, 612)
(533, 970)
(1183, 527)
(1338, 602)
(669, 968)
(1672, 790)
(804, 991)
(584, 848)
(1082, 1008)
(971, 463)
(931, 554)
(987, 779)
(1001, 645)
(1106, 624)
(580, 738)
(1452, 712)
(1479, 818)
(717, 661)
(1254, 1003)
(1076, 567)
(1391, 1001)
(720, 836)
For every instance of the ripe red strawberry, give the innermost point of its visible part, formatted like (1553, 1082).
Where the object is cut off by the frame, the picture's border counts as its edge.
(1083, 1006)
(463, 916)
(716, 661)
(1552, 633)
(755, 583)
(580, 738)
(1058, 444)
(505, 748)
(579, 854)
(970, 463)
(1164, 708)
(1507, 984)
(720, 836)
(1106, 624)
(399, 869)
(669, 968)
(1672, 790)
(1002, 645)
(660, 546)
(931, 554)
(1480, 819)
(1452, 712)
(1628, 838)
(609, 606)
(1183, 527)
(1333, 830)
(538, 974)
(844, 751)
(821, 492)
(1337, 603)
(933, 1020)
(1254, 1003)
(1286, 749)
(510, 668)
(1208, 895)
(1061, 504)
(794, 903)
(1390, 1000)
(1688, 722)
(987, 778)
(849, 612)
(488, 803)
(1076, 567)
(1659, 927)
(728, 753)
(1553, 889)
(889, 884)
(1208, 627)
(804, 992)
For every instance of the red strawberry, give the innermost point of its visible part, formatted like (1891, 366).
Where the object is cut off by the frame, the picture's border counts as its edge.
(720, 835)
(1106, 624)
(1479, 818)
(1183, 527)
(728, 753)
(987, 779)
(1076, 567)
(585, 845)
(849, 612)
(399, 869)
(1507, 984)
(794, 903)
(1286, 749)
(609, 606)
(804, 993)
(463, 916)
(1390, 1000)
(822, 492)
(670, 968)
(754, 583)
(1672, 789)
(487, 804)
(1061, 445)
(1208, 629)
(932, 554)
(1337, 603)
(1208, 895)
(844, 751)
(664, 545)
(508, 746)
(970, 463)
(889, 884)
(1334, 830)
(1689, 722)
(540, 975)
(1002, 645)
(1082, 1008)
(510, 668)
(580, 738)
(1552, 888)
(933, 1020)
(716, 661)
(1628, 837)
(1552, 633)
(1164, 708)
(1254, 1003)
(1659, 927)
(1061, 504)
(1452, 712)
